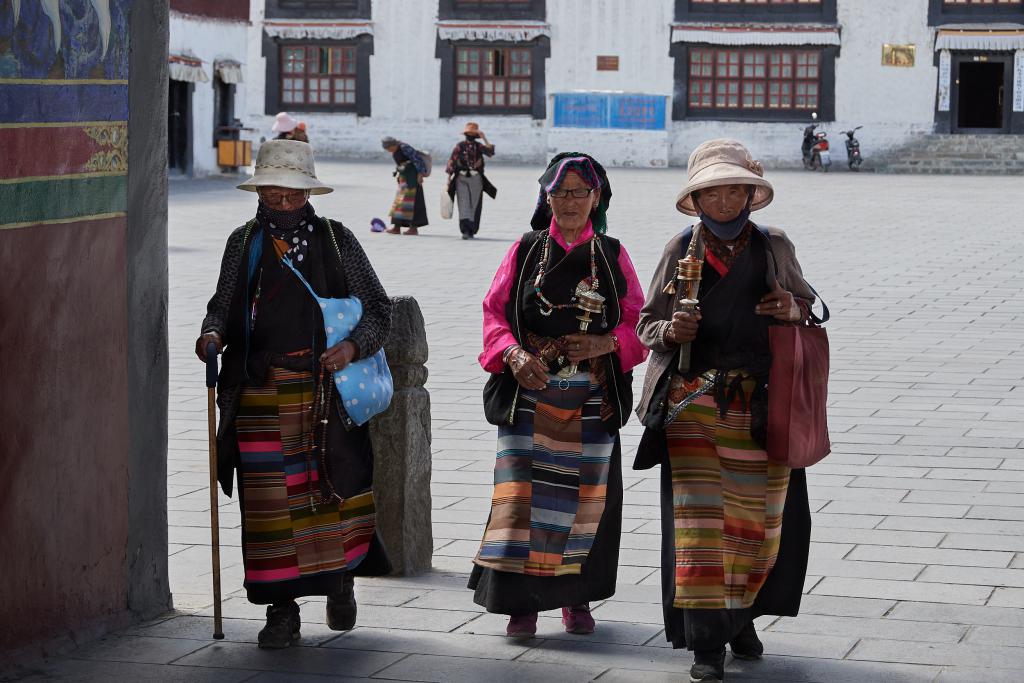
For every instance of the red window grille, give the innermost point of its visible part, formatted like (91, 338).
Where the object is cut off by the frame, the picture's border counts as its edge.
(745, 79)
(314, 76)
(498, 79)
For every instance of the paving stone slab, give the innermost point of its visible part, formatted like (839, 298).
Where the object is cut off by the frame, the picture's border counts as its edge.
(437, 669)
(300, 660)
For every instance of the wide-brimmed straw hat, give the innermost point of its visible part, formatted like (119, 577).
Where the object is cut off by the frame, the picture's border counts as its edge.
(472, 128)
(284, 123)
(285, 163)
(723, 162)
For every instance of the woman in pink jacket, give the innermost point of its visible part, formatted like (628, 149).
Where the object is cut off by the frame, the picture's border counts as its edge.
(560, 342)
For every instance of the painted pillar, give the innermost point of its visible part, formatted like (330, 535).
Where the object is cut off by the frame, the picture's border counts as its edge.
(82, 317)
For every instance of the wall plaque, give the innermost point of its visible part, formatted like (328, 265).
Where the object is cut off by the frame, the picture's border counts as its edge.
(898, 55)
(607, 62)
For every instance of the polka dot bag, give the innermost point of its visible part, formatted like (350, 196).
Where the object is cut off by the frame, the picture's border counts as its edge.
(365, 385)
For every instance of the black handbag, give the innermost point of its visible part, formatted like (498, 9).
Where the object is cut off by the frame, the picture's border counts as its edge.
(500, 397)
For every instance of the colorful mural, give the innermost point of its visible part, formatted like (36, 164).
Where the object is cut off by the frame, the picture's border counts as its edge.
(63, 111)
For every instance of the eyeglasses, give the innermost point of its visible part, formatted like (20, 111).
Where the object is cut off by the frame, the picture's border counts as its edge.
(296, 197)
(577, 193)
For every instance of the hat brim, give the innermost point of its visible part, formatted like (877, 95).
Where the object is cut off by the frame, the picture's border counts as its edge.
(292, 181)
(724, 174)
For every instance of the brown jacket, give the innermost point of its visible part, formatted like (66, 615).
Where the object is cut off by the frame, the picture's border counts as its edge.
(659, 306)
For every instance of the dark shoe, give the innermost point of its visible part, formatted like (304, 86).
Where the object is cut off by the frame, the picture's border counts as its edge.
(577, 619)
(341, 607)
(411, 231)
(282, 626)
(464, 228)
(393, 230)
(522, 626)
(466, 236)
(708, 666)
(746, 644)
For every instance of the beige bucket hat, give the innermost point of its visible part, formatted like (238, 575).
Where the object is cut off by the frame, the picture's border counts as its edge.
(285, 163)
(723, 162)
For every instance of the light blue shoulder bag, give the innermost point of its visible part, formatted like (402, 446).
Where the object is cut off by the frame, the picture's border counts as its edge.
(365, 385)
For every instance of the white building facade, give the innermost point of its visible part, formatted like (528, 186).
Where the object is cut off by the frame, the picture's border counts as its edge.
(208, 46)
(634, 82)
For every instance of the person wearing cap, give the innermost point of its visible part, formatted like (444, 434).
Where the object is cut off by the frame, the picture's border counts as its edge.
(735, 525)
(409, 209)
(284, 126)
(305, 487)
(559, 392)
(300, 132)
(466, 179)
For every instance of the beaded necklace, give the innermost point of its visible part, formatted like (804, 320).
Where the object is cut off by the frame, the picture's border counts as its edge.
(539, 280)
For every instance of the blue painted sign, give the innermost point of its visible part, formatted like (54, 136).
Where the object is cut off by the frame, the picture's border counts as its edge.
(610, 110)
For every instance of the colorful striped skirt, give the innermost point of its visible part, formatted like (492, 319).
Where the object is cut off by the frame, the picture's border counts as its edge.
(727, 501)
(550, 481)
(291, 530)
(404, 207)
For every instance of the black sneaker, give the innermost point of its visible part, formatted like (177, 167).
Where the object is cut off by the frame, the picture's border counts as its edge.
(746, 644)
(282, 626)
(341, 607)
(708, 666)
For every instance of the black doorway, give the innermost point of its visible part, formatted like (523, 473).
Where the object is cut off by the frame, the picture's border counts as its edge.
(179, 117)
(982, 96)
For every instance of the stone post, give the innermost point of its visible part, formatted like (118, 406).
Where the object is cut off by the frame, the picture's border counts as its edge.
(401, 446)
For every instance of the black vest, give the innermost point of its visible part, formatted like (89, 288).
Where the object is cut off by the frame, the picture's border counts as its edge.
(562, 274)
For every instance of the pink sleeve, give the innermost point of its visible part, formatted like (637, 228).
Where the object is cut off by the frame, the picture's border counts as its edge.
(497, 331)
(631, 351)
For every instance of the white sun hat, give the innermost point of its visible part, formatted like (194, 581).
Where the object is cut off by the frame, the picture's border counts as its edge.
(285, 163)
(284, 123)
(723, 162)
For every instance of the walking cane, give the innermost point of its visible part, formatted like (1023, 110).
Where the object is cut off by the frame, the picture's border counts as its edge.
(211, 406)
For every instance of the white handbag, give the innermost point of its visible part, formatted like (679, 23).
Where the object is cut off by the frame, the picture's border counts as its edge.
(447, 205)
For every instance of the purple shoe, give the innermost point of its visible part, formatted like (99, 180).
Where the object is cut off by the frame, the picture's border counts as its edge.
(577, 619)
(522, 626)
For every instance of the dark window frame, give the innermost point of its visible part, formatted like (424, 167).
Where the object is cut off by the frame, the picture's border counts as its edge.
(824, 13)
(274, 99)
(681, 110)
(361, 10)
(223, 103)
(540, 50)
(449, 9)
(939, 14)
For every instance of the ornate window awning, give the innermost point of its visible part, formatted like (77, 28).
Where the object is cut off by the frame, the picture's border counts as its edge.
(320, 30)
(511, 31)
(991, 37)
(186, 68)
(756, 34)
(228, 70)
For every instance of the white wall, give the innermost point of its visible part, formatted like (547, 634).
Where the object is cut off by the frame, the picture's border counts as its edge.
(892, 104)
(209, 40)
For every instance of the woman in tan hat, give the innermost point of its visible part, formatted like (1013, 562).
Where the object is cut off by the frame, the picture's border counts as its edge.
(305, 494)
(735, 526)
(466, 179)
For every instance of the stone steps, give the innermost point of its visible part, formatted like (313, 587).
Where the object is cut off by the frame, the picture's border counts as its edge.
(952, 154)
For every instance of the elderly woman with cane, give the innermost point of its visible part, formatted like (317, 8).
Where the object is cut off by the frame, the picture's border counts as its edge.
(303, 459)
(560, 343)
(735, 524)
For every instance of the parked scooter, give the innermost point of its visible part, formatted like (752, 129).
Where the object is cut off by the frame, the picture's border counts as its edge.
(853, 157)
(815, 149)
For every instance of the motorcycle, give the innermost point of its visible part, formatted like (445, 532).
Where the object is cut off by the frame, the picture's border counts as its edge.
(815, 148)
(853, 157)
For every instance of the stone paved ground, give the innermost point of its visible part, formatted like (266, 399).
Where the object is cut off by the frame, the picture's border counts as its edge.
(917, 566)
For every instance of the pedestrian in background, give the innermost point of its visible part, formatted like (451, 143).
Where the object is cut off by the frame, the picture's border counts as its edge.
(466, 179)
(409, 209)
(305, 471)
(559, 396)
(735, 525)
(284, 126)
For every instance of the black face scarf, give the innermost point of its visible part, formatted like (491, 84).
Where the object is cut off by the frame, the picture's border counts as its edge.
(729, 230)
(292, 227)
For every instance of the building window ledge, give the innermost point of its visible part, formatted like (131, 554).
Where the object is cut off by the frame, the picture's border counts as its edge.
(317, 30)
(755, 34)
(492, 31)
